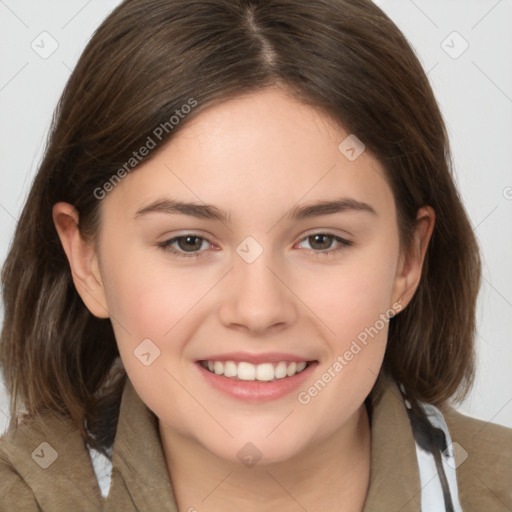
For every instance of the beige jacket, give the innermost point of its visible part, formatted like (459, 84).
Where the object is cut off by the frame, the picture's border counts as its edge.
(140, 481)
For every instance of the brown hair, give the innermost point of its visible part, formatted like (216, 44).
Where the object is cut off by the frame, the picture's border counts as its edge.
(146, 61)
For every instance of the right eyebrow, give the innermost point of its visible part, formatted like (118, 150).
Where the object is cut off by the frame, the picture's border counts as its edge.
(201, 211)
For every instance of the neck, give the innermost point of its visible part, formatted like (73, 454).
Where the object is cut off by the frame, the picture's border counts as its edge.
(332, 474)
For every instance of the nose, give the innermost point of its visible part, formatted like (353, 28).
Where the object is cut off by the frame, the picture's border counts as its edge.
(258, 299)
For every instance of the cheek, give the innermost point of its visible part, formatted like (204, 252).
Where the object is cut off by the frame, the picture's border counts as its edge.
(148, 297)
(354, 301)
(351, 296)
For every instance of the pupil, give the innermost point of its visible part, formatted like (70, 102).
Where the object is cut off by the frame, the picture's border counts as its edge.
(320, 241)
(190, 243)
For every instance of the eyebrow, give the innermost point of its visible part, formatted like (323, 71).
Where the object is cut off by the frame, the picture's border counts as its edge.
(202, 211)
(205, 211)
(330, 208)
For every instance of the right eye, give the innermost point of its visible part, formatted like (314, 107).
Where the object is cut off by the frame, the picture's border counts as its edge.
(187, 246)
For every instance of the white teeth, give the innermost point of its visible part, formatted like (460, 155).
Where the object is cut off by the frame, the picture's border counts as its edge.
(218, 368)
(264, 372)
(246, 371)
(280, 370)
(230, 369)
(292, 368)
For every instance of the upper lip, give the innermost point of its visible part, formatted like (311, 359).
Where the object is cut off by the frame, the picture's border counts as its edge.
(265, 357)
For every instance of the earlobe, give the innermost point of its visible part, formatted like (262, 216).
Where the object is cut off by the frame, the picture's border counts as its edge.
(411, 263)
(82, 258)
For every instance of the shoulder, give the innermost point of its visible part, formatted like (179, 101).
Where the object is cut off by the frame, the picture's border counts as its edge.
(45, 466)
(483, 456)
(15, 493)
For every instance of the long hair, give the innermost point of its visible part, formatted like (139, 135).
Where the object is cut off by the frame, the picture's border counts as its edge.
(146, 61)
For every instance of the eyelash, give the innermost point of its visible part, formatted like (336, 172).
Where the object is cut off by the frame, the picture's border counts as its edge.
(167, 245)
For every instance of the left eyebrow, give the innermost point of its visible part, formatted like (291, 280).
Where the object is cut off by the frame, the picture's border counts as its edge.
(329, 208)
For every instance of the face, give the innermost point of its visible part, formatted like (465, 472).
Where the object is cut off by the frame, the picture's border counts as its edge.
(251, 243)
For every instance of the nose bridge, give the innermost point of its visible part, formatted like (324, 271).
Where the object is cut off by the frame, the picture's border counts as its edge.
(256, 298)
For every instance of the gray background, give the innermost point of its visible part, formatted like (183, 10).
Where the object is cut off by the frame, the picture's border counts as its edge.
(40, 41)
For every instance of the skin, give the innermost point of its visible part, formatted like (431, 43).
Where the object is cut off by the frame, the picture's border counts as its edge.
(256, 158)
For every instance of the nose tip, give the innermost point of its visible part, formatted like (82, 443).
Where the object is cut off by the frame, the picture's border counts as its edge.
(256, 298)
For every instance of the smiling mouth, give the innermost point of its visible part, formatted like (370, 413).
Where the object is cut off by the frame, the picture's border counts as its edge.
(264, 372)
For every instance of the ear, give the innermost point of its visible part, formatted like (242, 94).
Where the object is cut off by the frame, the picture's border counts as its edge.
(411, 263)
(82, 259)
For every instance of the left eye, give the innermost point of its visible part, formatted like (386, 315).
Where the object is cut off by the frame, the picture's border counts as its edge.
(324, 242)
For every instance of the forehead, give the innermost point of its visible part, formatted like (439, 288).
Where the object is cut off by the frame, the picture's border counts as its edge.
(264, 151)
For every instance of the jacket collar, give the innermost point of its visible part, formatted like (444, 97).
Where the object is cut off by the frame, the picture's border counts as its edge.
(394, 477)
(139, 475)
(48, 454)
(139, 467)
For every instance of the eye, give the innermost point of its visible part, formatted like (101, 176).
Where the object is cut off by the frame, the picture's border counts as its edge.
(192, 245)
(189, 245)
(324, 243)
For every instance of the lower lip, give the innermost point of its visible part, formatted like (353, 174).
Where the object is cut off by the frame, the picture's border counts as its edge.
(257, 391)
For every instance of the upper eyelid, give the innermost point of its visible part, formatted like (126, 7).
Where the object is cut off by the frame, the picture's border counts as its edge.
(169, 241)
(340, 239)
(326, 231)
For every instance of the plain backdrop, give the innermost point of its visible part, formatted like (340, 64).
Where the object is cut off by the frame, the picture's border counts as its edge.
(464, 45)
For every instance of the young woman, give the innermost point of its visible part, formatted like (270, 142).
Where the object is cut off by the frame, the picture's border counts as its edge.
(243, 278)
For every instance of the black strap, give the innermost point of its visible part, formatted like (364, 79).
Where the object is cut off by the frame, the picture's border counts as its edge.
(432, 440)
